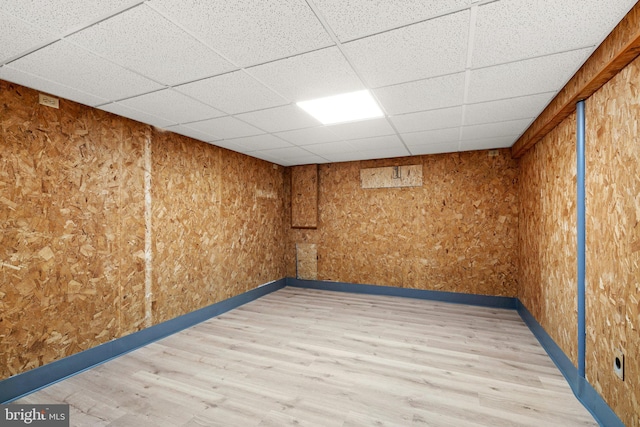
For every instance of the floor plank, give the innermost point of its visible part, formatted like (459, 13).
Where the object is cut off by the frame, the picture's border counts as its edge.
(318, 358)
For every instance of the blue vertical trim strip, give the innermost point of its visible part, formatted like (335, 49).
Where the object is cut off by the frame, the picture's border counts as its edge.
(580, 150)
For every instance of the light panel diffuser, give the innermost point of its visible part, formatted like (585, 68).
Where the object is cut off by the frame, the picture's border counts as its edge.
(347, 107)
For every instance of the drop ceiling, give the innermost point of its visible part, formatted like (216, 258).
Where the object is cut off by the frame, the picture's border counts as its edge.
(450, 75)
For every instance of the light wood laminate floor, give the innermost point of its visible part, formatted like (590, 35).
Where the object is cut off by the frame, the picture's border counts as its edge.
(319, 358)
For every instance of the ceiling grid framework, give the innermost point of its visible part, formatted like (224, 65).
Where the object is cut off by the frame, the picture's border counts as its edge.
(339, 153)
(467, 72)
(450, 75)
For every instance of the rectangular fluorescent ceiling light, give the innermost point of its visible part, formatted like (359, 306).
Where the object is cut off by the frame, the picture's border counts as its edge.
(347, 107)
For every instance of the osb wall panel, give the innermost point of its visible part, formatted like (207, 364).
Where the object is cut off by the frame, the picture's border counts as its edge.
(613, 241)
(391, 177)
(131, 235)
(458, 232)
(72, 227)
(252, 209)
(67, 246)
(304, 196)
(307, 261)
(217, 221)
(295, 236)
(186, 214)
(530, 245)
(547, 236)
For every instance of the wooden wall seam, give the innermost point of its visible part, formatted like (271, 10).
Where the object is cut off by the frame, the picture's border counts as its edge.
(148, 227)
(304, 196)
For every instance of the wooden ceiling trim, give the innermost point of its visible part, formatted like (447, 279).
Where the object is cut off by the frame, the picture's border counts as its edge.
(620, 47)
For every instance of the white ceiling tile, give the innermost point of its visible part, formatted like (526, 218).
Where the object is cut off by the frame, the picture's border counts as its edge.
(488, 143)
(308, 159)
(525, 77)
(381, 153)
(420, 51)
(30, 36)
(191, 133)
(350, 156)
(142, 40)
(229, 145)
(312, 75)
(431, 137)
(131, 113)
(225, 128)
(362, 129)
(279, 119)
(250, 32)
(309, 136)
(329, 148)
(287, 153)
(494, 130)
(260, 142)
(357, 18)
(72, 66)
(264, 155)
(376, 143)
(360, 148)
(507, 31)
(292, 153)
(430, 94)
(62, 17)
(172, 106)
(233, 93)
(121, 54)
(428, 120)
(507, 109)
(275, 157)
(436, 148)
(368, 154)
(35, 82)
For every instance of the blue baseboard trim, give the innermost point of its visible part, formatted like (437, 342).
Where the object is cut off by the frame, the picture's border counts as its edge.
(20, 385)
(452, 297)
(584, 391)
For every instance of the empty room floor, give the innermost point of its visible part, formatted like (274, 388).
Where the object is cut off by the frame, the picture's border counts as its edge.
(320, 358)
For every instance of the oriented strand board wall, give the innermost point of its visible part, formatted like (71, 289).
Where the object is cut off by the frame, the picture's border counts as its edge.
(391, 177)
(304, 196)
(252, 207)
(186, 215)
(132, 229)
(72, 227)
(547, 237)
(530, 283)
(216, 221)
(455, 233)
(613, 240)
(307, 261)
